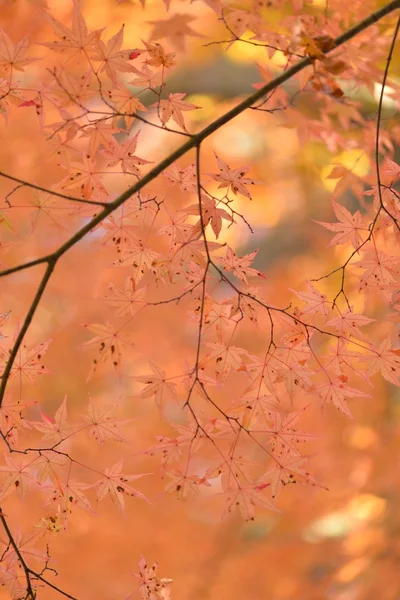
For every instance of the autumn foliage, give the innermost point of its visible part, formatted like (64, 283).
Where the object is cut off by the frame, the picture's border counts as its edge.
(188, 278)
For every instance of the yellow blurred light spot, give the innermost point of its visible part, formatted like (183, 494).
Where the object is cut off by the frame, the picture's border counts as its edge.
(242, 52)
(278, 59)
(353, 568)
(367, 507)
(329, 184)
(362, 437)
(355, 160)
(275, 17)
(207, 107)
(315, 153)
(387, 98)
(247, 51)
(334, 525)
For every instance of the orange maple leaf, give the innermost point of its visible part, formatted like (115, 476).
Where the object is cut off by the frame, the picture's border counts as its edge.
(78, 40)
(111, 56)
(233, 179)
(176, 28)
(173, 107)
(351, 228)
(13, 56)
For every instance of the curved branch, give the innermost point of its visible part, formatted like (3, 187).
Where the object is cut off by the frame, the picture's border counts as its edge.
(23, 183)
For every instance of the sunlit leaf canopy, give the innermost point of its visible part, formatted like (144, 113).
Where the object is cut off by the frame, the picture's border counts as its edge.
(147, 359)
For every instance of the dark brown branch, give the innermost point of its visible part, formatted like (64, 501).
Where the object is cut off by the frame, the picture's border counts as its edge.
(378, 125)
(48, 191)
(30, 592)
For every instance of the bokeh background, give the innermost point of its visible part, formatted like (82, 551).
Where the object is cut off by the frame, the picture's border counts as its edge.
(342, 543)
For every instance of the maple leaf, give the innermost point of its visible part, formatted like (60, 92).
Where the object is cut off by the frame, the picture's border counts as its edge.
(86, 177)
(351, 228)
(11, 419)
(211, 213)
(316, 46)
(68, 89)
(157, 385)
(296, 331)
(256, 406)
(70, 493)
(111, 56)
(386, 360)
(226, 358)
(233, 179)
(345, 362)
(173, 107)
(294, 366)
(14, 56)
(381, 271)
(116, 485)
(176, 28)
(151, 586)
(336, 391)
(124, 155)
(241, 20)
(4, 318)
(56, 428)
(185, 485)
(15, 581)
(239, 266)
(25, 547)
(109, 342)
(391, 169)
(99, 134)
(158, 56)
(128, 300)
(246, 498)
(102, 421)
(220, 317)
(266, 372)
(284, 434)
(171, 448)
(191, 252)
(28, 362)
(146, 78)
(141, 260)
(53, 523)
(125, 104)
(48, 208)
(16, 476)
(122, 225)
(49, 466)
(185, 178)
(8, 96)
(287, 470)
(315, 301)
(78, 40)
(348, 323)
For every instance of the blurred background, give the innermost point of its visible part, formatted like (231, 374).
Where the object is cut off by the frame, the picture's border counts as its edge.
(337, 544)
